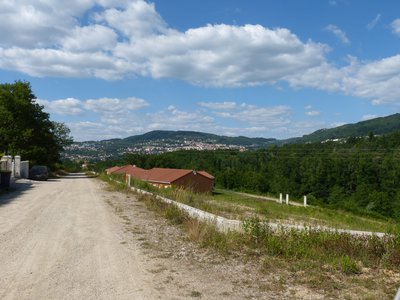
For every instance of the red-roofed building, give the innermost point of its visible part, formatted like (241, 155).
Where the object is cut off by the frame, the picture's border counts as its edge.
(112, 169)
(197, 181)
(128, 169)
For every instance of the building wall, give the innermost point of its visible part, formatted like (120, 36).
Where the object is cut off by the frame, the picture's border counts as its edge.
(197, 183)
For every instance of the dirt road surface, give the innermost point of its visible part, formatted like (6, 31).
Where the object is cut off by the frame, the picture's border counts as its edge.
(57, 240)
(73, 239)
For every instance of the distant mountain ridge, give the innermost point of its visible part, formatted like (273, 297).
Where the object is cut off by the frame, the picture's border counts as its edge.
(381, 125)
(169, 135)
(159, 141)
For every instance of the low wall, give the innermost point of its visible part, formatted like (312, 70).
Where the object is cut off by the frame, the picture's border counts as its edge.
(224, 225)
(221, 223)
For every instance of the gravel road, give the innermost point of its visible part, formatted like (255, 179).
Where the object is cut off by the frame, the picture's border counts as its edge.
(58, 240)
(75, 238)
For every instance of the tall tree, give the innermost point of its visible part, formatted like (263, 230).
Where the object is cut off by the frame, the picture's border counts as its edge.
(25, 129)
(62, 134)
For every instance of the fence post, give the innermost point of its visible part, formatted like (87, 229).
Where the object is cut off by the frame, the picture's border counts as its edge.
(287, 199)
(280, 198)
(305, 201)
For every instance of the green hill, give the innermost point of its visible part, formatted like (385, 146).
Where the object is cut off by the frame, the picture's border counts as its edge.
(158, 135)
(377, 126)
(160, 141)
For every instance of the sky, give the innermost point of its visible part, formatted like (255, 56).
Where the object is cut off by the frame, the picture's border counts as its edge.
(259, 68)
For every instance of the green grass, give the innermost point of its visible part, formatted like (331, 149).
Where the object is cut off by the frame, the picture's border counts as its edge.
(234, 205)
(314, 257)
(342, 252)
(311, 215)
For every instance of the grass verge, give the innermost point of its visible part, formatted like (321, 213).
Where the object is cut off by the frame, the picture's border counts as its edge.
(312, 215)
(234, 205)
(343, 252)
(314, 256)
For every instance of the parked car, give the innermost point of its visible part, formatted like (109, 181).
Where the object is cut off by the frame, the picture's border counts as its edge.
(39, 173)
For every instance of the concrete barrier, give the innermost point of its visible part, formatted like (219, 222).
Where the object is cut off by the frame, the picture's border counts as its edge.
(225, 225)
(221, 223)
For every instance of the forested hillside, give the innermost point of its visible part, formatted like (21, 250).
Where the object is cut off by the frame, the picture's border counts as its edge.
(377, 126)
(362, 174)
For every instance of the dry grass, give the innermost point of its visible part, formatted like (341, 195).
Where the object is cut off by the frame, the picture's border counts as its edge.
(332, 263)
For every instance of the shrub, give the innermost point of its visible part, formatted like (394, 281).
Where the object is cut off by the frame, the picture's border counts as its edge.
(257, 230)
(349, 266)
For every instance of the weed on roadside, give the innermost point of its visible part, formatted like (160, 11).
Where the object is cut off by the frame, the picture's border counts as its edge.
(349, 266)
(195, 294)
(325, 260)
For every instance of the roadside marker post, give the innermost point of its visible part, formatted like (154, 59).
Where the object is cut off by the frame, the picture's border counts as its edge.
(280, 198)
(129, 180)
(305, 201)
(287, 199)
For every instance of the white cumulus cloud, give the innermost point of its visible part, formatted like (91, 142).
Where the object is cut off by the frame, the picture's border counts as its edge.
(90, 38)
(137, 19)
(225, 55)
(377, 81)
(116, 39)
(115, 105)
(60, 63)
(125, 38)
(68, 106)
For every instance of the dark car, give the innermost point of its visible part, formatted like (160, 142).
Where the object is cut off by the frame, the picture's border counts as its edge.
(39, 173)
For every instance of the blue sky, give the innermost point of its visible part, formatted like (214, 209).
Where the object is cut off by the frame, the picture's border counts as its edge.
(115, 68)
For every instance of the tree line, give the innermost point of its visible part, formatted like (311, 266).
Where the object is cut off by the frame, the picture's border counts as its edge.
(360, 174)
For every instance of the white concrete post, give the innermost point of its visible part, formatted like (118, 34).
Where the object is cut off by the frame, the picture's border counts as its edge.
(287, 199)
(9, 162)
(17, 166)
(129, 180)
(280, 198)
(305, 201)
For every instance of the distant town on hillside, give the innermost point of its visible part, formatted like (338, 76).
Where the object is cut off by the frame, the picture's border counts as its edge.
(161, 141)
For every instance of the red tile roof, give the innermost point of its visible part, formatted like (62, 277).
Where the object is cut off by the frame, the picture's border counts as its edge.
(205, 174)
(162, 175)
(136, 172)
(112, 169)
(122, 170)
(165, 175)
